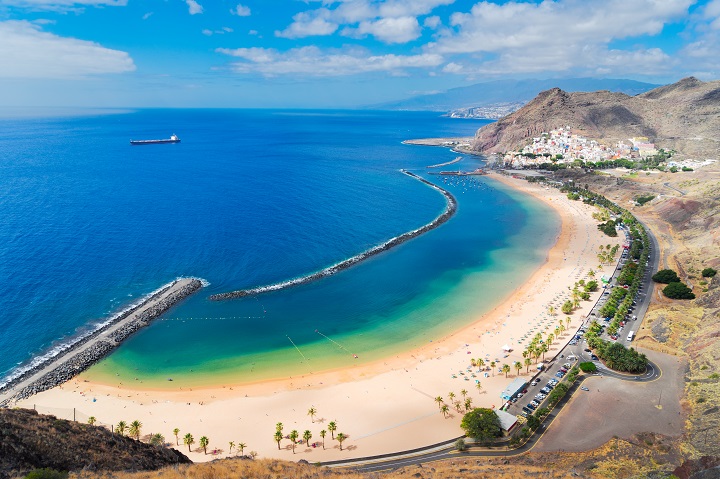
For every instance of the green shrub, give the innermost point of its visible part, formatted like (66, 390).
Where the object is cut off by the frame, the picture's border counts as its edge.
(482, 424)
(708, 273)
(641, 200)
(666, 276)
(678, 291)
(46, 473)
(460, 445)
(587, 367)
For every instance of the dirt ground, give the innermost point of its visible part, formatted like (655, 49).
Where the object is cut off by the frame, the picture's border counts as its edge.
(620, 408)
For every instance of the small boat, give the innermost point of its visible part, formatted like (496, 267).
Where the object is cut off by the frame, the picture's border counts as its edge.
(173, 139)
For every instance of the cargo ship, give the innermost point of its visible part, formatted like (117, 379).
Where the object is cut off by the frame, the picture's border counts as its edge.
(173, 139)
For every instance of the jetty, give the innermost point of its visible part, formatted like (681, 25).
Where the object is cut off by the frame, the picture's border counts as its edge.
(450, 209)
(86, 351)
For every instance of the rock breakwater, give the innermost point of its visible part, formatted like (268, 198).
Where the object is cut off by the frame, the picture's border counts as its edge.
(450, 209)
(85, 352)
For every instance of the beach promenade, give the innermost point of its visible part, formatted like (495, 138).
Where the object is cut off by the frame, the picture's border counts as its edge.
(383, 406)
(85, 352)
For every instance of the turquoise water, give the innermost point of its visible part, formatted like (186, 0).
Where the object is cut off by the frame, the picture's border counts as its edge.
(249, 198)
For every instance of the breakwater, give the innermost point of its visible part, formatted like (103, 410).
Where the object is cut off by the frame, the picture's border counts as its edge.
(64, 363)
(450, 209)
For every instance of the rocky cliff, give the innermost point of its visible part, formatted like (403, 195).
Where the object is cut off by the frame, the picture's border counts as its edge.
(684, 116)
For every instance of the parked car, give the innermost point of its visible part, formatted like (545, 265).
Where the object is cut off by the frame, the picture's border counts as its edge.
(559, 374)
(534, 382)
(593, 357)
(530, 406)
(546, 390)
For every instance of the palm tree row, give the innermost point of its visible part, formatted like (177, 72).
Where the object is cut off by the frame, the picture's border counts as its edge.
(465, 404)
(307, 435)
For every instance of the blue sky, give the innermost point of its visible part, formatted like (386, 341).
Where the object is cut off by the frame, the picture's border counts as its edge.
(334, 53)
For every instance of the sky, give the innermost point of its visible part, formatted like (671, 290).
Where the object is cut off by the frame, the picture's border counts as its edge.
(334, 53)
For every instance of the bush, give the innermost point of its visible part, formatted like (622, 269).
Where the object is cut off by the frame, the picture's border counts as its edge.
(46, 473)
(666, 276)
(588, 367)
(641, 200)
(678, 291)
(591, 286)
(708, 273)
(460, 445)
(620, 358)
(482, 424)
(608, 228)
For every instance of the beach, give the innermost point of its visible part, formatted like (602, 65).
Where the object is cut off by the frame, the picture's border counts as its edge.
(382, 407)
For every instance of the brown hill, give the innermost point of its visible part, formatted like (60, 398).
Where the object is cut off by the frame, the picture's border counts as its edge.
(684, 116)
(29, 440)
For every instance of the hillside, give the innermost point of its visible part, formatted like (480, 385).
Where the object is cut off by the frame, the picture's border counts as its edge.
(29, 440)
(684, 116)
(509, 91)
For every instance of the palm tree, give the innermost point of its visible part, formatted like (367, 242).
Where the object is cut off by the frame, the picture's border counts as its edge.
(591, 273)
(332, 427)
(506, 369)
(458, 406)
(567, 322)
(189, 440)
(307, 435)
(135, 429)
(544, 349)
(492, 367)
(444, 410)
(293, 438)
(525, 353)
(464, 393)
(576, 302)
(279, 427)
(518, 367)
(480, 363)
(122, 425)
(478, 386)
(473, 362)
(241, 446)
(176, 431)
(341, 437)
(157, 439)
(231, 444)
(550, 338)
(92, 420)
(451, 396)
(323, 433)
(204, 441)
(439, 400)
(311, 412)
(551, 310)
(278, 438)
(528, 362)
(468, 404)
(537, 352)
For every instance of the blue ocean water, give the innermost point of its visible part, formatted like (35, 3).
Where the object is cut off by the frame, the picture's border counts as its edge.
(91, 223)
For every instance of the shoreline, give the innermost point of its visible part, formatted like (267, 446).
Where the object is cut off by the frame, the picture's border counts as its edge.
(450, 209)
(365, 400)
(74, 358)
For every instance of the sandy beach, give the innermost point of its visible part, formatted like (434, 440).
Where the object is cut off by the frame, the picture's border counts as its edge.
(382, 407)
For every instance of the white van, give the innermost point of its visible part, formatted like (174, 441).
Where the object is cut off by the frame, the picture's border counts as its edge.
(631, 335)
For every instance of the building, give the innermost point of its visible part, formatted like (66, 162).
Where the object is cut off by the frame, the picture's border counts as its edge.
(515, 387)
(507, 420)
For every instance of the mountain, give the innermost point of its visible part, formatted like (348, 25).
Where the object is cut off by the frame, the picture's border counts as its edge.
(510, 91)
(684, 116)
(29, 441)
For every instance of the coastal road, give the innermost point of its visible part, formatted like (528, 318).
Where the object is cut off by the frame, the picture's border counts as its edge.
(104, 335)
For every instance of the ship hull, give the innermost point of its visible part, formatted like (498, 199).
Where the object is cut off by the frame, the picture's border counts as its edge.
(152, 142)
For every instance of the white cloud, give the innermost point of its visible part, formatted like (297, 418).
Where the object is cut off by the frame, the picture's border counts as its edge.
(241, 10)
(147, 15)
(221, 31)
(312, 61)
(432, 22)
(207, 32)
(388, 30)
(61, 5)
(252, 32)
(28, 52)
(304, 26)
(453, 68)
(364, 17)
(194, 7)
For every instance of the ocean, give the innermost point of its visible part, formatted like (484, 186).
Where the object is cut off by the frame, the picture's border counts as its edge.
(250, 197)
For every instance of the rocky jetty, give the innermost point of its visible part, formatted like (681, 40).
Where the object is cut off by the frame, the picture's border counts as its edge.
(90, 349)
(450, 208)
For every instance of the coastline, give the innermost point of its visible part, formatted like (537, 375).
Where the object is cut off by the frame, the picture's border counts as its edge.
(363, 399)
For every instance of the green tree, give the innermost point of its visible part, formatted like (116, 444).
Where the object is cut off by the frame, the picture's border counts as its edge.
(528, 362)
(464, 393)
(293, 438)
(92, 420)
(307, 435)
(445, 410)
(468, 404)
(708, 273)
(482, 424)
(341, 437)
(278, 437)
(121, 427)
(567, 307)
(666, 276)
(544, 348)
(451, 396)
(480, 363)
(188, 440)
(279, 427)
(492, 367)
(176, 431)
(518, 367)
(440, 401)
(231, 444)
(478, 386)
(135, 428)
(323, 433)
(312, 412)
(332, 427)
(505, 369)
(242, 446)
(587, 367)
(46, 473)
(157, 439)
(204, 441)
(678, 291)
(460, 445)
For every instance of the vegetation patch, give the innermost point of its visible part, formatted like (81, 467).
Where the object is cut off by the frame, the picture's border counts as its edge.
(666, 276)
(678, 291)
